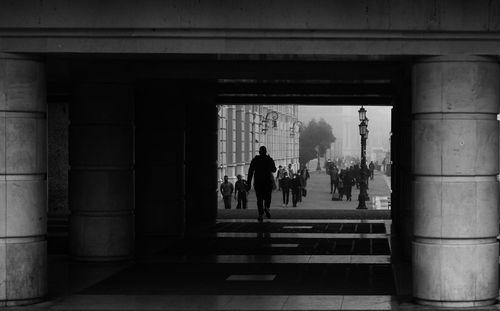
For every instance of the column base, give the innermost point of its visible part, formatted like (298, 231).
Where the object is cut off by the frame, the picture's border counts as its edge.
(23, 302)
(455, 304)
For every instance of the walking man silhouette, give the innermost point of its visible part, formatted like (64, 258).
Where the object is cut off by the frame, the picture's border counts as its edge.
(263, 167)
(226, 191)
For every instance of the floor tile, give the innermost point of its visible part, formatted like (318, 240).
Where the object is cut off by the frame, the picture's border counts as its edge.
(368, 303)
(212, 302)
(313, 303)
(255, 302)
(321, 259)
(251, 277)
(247, 266)
(142, 302)
(283, 245)
(275, 220)
(302, 235)
(110, 302)
(313, 259)
(263, 258)
(370, 259)
(233, 302)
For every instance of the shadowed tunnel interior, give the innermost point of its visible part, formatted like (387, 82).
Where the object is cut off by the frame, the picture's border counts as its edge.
(195, 252)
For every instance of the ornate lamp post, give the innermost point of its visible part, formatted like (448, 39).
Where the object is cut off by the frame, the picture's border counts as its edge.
(292, 128)
(270, 116)
(363, 185)
(292, 134)
(318, 166)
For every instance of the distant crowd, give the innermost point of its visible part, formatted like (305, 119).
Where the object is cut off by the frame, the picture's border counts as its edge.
(343, 179)
(287, 180)
(290, 181)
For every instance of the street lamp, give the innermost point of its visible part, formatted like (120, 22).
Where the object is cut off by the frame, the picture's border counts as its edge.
(292, 129)
(362, 114)
(270, 116)
(363, 185)
(292, 134)
(363, 128)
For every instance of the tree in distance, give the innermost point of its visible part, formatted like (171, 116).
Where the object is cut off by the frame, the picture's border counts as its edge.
(315, 138)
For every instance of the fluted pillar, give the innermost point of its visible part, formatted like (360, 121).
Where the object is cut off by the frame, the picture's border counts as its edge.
(101, 179)
(248, 137)
(23, 184)
(455, 143)
(240, 140)
(231, 143)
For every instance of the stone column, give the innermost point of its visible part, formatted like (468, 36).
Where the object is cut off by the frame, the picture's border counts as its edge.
(222, 143)
(401, 176)
(201, 155)
(240, 140)
(23, 184)
(160, 118)
(231, 144)
(455, 144)
(101, 180)
(248, 138)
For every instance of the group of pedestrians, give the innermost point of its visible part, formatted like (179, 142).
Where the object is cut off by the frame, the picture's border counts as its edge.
(261, 172)
(240, 190)
(342, 180)
(294, 182)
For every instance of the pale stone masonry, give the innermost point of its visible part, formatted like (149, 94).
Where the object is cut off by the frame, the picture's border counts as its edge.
(23, 185)
(455, 141)
(101, 179)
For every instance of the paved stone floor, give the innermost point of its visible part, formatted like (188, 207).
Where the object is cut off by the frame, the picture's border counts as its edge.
(300, 259)
(240, 264)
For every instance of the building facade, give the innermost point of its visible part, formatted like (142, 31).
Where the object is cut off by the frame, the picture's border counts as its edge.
(244, 128)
